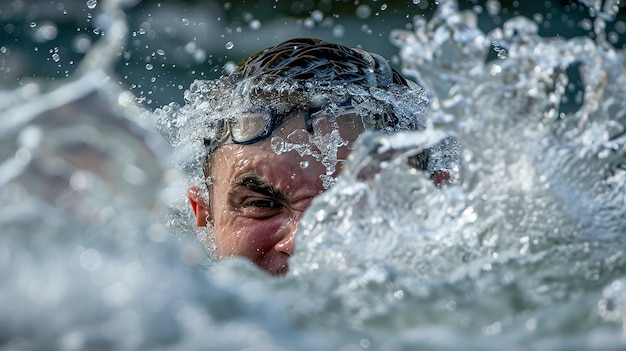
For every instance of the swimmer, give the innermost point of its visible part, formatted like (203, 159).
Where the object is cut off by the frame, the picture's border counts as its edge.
(276, 131)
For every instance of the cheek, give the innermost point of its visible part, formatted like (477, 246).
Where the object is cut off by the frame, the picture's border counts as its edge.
(247, 237)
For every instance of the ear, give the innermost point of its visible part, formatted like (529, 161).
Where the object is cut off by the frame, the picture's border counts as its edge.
(198, 205)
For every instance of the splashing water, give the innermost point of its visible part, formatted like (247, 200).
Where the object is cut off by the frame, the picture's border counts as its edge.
(225, 99)
(322, 147)
(524, 249)
(530, 242)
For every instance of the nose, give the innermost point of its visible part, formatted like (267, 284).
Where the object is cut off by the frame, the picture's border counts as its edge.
(288, 232)
(287, 243)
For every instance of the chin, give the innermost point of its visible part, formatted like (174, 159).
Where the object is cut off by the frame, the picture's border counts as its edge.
(275, 267)
(279, 270)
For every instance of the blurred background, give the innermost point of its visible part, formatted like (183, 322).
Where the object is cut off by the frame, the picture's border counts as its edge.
(171, 43)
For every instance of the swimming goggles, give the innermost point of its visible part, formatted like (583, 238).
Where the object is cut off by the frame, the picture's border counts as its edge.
(253, 127)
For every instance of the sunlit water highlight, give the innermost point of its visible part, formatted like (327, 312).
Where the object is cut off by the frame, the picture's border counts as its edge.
(525, 249)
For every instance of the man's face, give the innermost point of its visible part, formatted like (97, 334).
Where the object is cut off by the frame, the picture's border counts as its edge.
(258, 196)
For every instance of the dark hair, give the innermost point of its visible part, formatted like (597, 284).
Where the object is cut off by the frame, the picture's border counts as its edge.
(307, 58)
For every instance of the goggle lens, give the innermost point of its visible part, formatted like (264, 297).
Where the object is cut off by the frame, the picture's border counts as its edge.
(249, 127)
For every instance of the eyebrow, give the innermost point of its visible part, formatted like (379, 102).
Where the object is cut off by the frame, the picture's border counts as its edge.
(255, 184)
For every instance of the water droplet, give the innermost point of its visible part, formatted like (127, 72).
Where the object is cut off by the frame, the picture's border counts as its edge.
(230, 45)
(149, 67)
(125, 99)
(78, 181)
(229, 67)
(190, 47)
(56, 57)
(363, 11)
(9, 28)
(366, 29)
(255, 24)
(320, 215)
(247, 16)
(46, 32)
(33, 24)
(199, 56)
(317, 15)
(416, 1)
(586, 24)
(304, 164)
(81, 43)
(339, 31)
(91, 4)
(186, 21)
(309, 23)
(493, 7)
(383, 7)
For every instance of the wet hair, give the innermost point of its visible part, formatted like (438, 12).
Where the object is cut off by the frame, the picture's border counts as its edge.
(307, 58)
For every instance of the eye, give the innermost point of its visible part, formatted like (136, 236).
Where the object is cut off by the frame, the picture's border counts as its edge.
(260, 208)
(263, 203)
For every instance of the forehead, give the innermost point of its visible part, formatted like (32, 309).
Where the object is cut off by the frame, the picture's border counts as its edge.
(231, 158)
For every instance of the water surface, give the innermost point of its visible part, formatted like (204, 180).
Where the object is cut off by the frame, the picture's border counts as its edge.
(525, 248)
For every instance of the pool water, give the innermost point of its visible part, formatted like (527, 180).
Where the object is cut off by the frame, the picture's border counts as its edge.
(524, 247)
